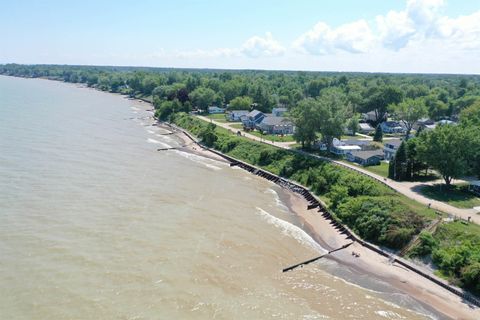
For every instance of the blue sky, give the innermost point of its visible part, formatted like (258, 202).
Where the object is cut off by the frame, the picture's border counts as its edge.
(434, 36)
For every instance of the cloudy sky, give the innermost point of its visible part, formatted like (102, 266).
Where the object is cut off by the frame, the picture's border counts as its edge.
(425, 36)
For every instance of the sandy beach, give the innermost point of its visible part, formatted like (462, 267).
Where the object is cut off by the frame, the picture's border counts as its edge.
(371, 263)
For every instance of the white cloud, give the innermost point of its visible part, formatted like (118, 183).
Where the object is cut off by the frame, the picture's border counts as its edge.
(355, 37)
(420, 21)
(257, 46)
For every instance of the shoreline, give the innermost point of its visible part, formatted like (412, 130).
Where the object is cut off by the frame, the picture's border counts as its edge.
(419, 288)
(427, 293)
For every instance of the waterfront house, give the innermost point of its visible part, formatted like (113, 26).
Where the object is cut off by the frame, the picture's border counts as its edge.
(252, 119)
(390, 147)
(392, 127)
(365, 158)
(278, 112)
(275, 125)
(235, 115)
(342, 150)
(215, 110)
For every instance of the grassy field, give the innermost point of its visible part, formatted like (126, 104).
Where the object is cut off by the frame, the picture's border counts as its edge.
(381, 170)
(237, 125)
(220, 117)
(271, 137)
(457, 196)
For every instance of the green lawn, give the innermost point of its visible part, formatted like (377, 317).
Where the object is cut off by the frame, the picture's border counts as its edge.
(381, 170)
(220, 117)
(237, 125)
(271, 137)
(457, 196)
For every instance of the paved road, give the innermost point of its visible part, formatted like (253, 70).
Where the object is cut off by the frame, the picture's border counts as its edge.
(406, 188)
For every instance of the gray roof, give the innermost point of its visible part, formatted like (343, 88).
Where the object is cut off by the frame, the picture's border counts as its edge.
(254, 113)
(368, 154)
(394, 142)
(239, 111)
(354, 142)
(276, 121)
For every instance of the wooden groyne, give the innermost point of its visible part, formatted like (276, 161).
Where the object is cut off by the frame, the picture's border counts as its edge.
(301, 264)
(315, 203)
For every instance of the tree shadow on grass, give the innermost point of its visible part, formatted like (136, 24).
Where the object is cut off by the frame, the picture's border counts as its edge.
(457, 196)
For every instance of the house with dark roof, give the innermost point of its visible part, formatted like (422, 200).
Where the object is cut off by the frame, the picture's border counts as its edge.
(366, 158)
(252, 119)
(390, 147)
(275, 125)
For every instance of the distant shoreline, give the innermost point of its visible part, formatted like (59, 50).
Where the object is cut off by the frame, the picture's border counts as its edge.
(421, 289)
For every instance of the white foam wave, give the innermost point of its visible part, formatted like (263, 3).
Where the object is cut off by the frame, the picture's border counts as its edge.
(277, 199)
(291, 230)
(151, 131)
(163, 144)
(389, 314)
(135, 108)
(209, 163)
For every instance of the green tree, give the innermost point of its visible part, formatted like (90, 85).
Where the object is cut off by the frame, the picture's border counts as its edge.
(240, 103)
(331, 114)
(352, 124)
(379, 98)
(378, 137)
(208, 136)
(409, 112)
(202, 97)
(447, 149)
(305, 117)
(400, 163)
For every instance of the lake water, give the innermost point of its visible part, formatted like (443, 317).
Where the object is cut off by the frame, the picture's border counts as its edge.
(96, 224)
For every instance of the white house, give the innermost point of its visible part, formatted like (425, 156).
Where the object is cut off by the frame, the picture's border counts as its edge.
(235, 115)
(390, 148)
(215, 110)
(392, 127)
(343, 150)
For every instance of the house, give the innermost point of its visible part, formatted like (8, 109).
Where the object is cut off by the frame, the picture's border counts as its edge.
(392, 127)
(276, 125)
(365, 128)
(363, 144)
(252, 119)
(366, 158)
(342, 150)
(215, 110)
(390, 148)
(279, 112)
(235, 115)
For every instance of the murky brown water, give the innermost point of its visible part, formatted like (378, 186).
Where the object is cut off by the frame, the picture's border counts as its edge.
(96, 224)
